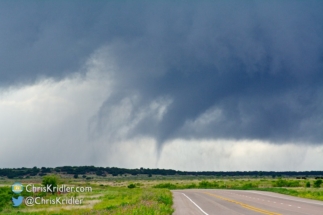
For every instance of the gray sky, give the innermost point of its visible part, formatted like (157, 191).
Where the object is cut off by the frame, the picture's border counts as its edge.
(194, 86)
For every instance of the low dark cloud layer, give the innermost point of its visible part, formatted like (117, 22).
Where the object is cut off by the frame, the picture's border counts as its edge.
(231, 70)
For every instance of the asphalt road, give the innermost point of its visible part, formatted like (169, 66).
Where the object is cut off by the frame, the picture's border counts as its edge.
(234, 202)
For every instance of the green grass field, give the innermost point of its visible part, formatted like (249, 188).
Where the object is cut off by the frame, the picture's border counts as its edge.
(143, 195)
(104, 199)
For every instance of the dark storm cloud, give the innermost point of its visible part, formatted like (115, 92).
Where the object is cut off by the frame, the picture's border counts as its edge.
(258, 65)
(53, 39)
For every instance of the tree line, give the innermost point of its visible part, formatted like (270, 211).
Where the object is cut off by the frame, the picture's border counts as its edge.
(115, 171)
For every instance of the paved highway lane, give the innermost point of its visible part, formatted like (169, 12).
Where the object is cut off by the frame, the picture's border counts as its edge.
(236, 202)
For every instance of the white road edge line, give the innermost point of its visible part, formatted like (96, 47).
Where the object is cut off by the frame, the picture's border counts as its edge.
(195, 204)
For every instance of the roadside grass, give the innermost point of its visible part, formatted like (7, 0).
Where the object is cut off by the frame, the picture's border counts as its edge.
(108, 200)
(312, 193)
(136, 201)
(288, 187)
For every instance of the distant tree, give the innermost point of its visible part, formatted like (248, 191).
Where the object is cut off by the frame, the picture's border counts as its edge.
(76, 176)
(51, 181)
(308, 184)
(317, 183)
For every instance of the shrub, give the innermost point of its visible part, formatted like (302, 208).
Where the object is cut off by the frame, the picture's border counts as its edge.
(249, 186)
(308, 184)
(131, 186)
(5, 196)
(317, 183)
(165, 185)
(207, 184)
(192, 185)
(50, 180)
(285, 183)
